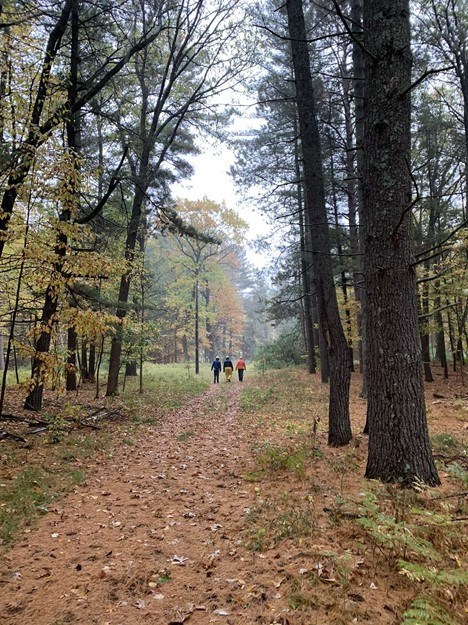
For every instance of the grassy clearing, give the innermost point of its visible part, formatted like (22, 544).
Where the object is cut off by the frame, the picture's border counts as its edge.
(166, 387)
(35, 476)
(366, 545)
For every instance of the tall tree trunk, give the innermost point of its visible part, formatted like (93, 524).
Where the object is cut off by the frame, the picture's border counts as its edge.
(424, 333)
(320, 340)
(84, 360)
(208, 325)
(176, 347)
(305, 263)
(49, 312)
(185, 348)
(453, 348)
(39, 365)
(92, 361)
(358, 71)
(441, 353)
(197, 327)
(339, 431)
(399, 448)
(124, 289)
(72, 345)
(339, 248)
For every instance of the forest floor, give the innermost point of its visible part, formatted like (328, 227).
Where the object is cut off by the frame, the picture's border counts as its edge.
(232, 509)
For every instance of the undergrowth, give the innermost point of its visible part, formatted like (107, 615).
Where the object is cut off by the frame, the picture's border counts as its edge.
(61, 459)
(410, 541)
(28, 495)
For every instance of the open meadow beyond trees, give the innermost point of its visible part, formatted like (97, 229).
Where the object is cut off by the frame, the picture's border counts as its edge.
(198, 503)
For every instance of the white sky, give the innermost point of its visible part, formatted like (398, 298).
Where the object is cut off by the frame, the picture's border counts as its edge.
(211, 179)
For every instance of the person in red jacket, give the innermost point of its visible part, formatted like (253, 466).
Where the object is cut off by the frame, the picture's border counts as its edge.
(240, 368)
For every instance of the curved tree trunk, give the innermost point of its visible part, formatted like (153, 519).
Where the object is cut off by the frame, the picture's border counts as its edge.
(339, 432)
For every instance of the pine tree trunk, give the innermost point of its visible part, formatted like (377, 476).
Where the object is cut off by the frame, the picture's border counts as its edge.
(92, 362)
(339, 431)
(197, 328)
(399, 449)
(424, 332)
(339, 248)
(441, 352)
(208, 325)
(72, 344)
(84, 360)
(305, 266)
(320, 340)
(358, 271)
(453, 348)
(124, 290)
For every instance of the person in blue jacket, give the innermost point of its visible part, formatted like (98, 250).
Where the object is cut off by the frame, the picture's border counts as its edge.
(216, 368)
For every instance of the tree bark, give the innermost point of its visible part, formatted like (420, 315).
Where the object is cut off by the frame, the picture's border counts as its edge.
(39, 365)
(72, 344)
(92, 362)
(124, 289)
(305, 263)
(339, 431)
(441, 352)
(358, 70)
(424, 334)
(52, 298)
(131, 369)
(399, 448)
(197, 326)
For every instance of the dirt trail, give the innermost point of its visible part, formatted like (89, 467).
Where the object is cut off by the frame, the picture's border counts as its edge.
(153, 536)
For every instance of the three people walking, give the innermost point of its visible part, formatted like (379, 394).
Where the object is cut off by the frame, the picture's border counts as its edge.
(228, 369)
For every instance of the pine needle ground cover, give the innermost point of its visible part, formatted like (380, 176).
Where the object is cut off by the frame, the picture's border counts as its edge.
(35, 476)
(223, 503)
(349, 550)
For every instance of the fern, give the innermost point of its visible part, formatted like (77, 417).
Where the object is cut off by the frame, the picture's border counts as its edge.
(424, 612)
(433, 576)
(398, 536)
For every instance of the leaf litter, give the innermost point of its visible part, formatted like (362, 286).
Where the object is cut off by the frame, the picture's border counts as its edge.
(161, 533)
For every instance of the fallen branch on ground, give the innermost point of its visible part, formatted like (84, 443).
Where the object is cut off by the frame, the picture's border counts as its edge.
(4, 435)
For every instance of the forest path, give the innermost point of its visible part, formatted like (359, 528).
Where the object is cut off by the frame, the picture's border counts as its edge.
(153, 535)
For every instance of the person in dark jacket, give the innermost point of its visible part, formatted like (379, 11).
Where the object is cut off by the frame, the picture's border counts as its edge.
(228, 368)
(216, 368)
